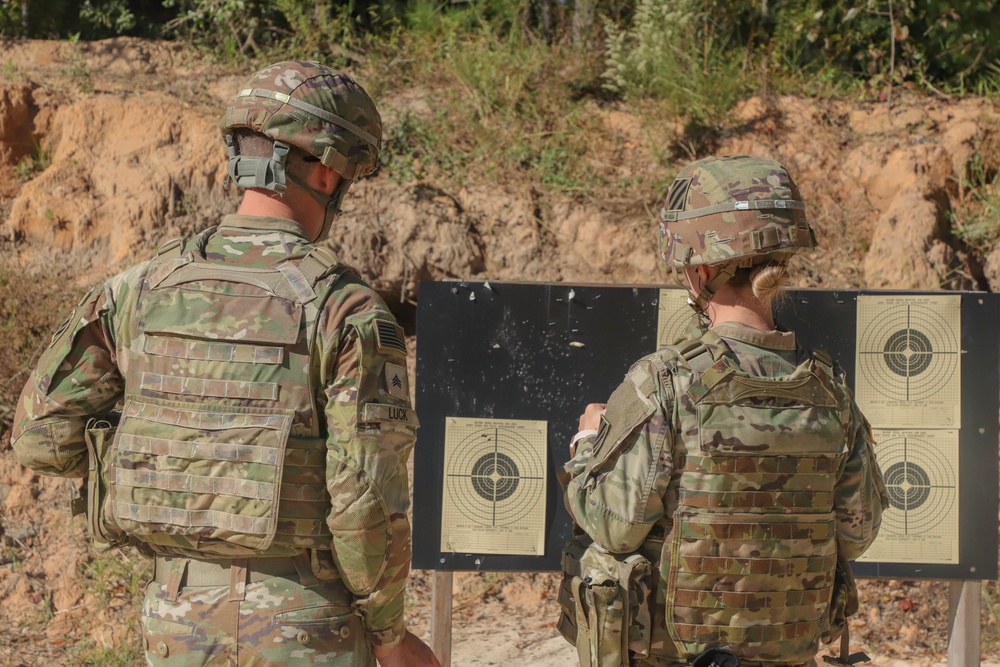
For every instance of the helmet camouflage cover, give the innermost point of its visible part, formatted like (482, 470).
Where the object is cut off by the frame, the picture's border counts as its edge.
(738, 209)
(305, 104)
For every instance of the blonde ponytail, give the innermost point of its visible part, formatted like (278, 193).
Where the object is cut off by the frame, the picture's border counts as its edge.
(769, 282)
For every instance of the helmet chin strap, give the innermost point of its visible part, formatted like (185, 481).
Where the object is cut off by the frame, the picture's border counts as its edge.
(330, 202)
(699, 301)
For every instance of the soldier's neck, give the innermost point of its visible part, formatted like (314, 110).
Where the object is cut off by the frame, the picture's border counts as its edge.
(740, 305)
(294, 205)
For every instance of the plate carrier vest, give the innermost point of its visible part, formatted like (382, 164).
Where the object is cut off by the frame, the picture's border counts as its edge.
(746, 557)
(219, 449)
(749, 562)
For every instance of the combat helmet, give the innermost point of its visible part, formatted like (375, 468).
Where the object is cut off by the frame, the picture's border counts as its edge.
(312, 107)
(732, 212)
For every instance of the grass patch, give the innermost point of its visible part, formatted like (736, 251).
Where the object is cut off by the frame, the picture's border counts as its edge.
(496, 108)
(976, 218)
(31, 164)
(116, 581)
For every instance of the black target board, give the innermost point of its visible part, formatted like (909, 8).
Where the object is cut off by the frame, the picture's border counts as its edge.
(498, 364)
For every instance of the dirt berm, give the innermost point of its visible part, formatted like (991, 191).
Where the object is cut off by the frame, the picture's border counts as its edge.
(109, 148)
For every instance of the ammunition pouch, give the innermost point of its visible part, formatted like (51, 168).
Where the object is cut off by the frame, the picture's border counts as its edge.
(605, 600)
(96, 500)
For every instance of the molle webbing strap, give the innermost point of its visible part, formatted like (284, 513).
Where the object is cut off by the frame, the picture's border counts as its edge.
(768, 566)
(311, 109)
(753, 599)
(725, 207)
(749, 634)
(182, 482)
(173, 516)
(743, 532)
(190, 449)
(244, 353)
(781, 465)
(209, 421)
(791, 501)
(205, 387)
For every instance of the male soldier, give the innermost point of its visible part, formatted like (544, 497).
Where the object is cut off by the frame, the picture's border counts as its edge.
(265, 418)
(729, 479)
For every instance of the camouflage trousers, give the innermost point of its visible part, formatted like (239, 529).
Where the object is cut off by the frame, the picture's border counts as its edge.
(276, 622)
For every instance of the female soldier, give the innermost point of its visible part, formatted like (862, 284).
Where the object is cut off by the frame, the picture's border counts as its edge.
(737, 463)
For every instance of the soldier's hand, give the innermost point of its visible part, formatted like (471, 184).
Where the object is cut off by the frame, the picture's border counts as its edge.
(590, 420)
(411, 652)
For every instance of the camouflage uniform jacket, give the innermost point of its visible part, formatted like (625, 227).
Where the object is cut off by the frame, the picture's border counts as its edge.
(83, 374)
(629, 503)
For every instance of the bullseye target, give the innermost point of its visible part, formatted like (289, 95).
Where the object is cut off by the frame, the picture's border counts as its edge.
(495, 476)
(908, 352)
(921, 482)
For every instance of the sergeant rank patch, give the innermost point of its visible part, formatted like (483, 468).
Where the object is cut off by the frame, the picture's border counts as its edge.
(395, 381)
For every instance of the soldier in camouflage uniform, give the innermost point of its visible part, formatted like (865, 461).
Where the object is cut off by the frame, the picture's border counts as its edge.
(724, 486)
(265, 421)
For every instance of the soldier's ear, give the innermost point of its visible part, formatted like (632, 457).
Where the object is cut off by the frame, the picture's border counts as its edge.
(329, 179)
(694, 277)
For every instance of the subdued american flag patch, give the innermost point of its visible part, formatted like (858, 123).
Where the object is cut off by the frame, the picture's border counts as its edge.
(389, 336)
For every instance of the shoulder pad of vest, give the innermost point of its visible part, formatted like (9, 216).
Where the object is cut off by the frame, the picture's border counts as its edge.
(319, 263)
(171, 248)
(696, 355)
(700, 354)
(824, 361)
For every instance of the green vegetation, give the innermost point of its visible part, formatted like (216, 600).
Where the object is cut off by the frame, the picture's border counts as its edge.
(116, 580)
(33, 163)
(650, 47)
(976, 218)
(78, 72)
(518, 88)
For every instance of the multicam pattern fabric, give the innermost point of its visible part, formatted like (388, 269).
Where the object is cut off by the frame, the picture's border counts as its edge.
(240, 388)
(725, 209)
(285, 623)
(323, 112)
(744, 485)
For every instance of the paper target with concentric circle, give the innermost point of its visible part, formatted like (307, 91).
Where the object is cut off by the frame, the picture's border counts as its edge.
(494, 486)
(673, 318)
(909, 360)
(920, 470)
